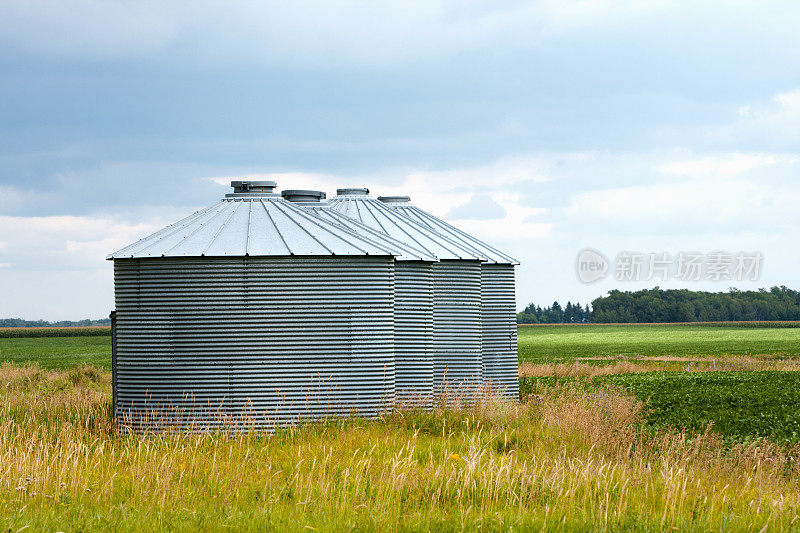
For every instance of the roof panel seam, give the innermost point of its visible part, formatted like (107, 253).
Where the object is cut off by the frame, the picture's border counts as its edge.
(212, 216)
(443, 224)
(174, 226)
(321, 224)
(280, 208)
(277, 229)
(249, 220)
(219, 230)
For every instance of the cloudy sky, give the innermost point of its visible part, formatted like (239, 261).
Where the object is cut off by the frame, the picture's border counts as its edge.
(543, 127)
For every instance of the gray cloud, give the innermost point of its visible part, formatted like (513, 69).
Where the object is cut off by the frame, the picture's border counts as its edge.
(480, 207)
(114, 114)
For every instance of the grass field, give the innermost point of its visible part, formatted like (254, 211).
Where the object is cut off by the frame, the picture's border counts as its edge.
(571, 459)
(557, 344)
(742, 406)
(537, 344)
(58, 352)
(621, 427)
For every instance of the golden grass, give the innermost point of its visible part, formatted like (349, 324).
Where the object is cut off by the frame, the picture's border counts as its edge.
(567, 459)
(601, 366)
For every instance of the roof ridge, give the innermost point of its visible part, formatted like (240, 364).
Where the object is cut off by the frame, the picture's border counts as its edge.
(304, 229)
(216, 233)
(422, 214)
(401, 228)
(213, 214)
(406, 225)
(347, 225)
(277, 229)
(224, 229)
(175, 225)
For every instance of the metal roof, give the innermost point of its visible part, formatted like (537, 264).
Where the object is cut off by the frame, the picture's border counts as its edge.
(313, 202)
(401, 204)
(355, 204)
(252, 222)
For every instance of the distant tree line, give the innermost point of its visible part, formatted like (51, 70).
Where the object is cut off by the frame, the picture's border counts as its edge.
(674, 305)
(682, 305)
(19, 323)
(555, 314)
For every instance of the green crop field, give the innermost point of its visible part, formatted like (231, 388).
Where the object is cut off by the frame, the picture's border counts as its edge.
(548, 344)
(58, 352)
(537, 344)
(741, 406)
(653, 428)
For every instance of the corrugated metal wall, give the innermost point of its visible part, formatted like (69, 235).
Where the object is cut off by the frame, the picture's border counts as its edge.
(264, 340)
(113, 317)
(457, 364)
(498, 302)
(413, 308)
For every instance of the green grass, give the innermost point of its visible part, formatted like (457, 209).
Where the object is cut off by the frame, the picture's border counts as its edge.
(58, 352)
(572, 461)
(557, 344)
(579, 457)
(537, 344)
(741, 405)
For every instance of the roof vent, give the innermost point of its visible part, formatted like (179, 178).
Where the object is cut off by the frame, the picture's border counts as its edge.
(250, 189)
(299, 195)
(395, 200)
(352, 192)
(253, 186)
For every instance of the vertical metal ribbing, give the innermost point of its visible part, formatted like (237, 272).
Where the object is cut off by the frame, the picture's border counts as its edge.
(499, 329)
(413, 312)
(457, 326)
(113, 317)
(261, 341)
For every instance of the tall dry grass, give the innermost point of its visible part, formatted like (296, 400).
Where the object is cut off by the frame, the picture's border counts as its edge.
(567, 459)
(593, 367)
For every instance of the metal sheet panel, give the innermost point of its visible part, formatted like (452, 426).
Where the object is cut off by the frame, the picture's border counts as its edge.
(376, 215)
(403, 250)
(262, 341)
(113, 317)
(457, 367)
(413, 330)
(498, 295)
(251, 225)
(413, 305)
(499, 329)
(465, 240)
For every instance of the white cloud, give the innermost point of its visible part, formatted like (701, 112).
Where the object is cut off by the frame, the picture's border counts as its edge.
(562, 16)
(555, 204)
(12, 199)
(443, 190)
(58, 294)
(702, 194)
(88, 29)
(479, 207)
(309, 32)
(726, 165)
(68, 242)
(776, 122)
